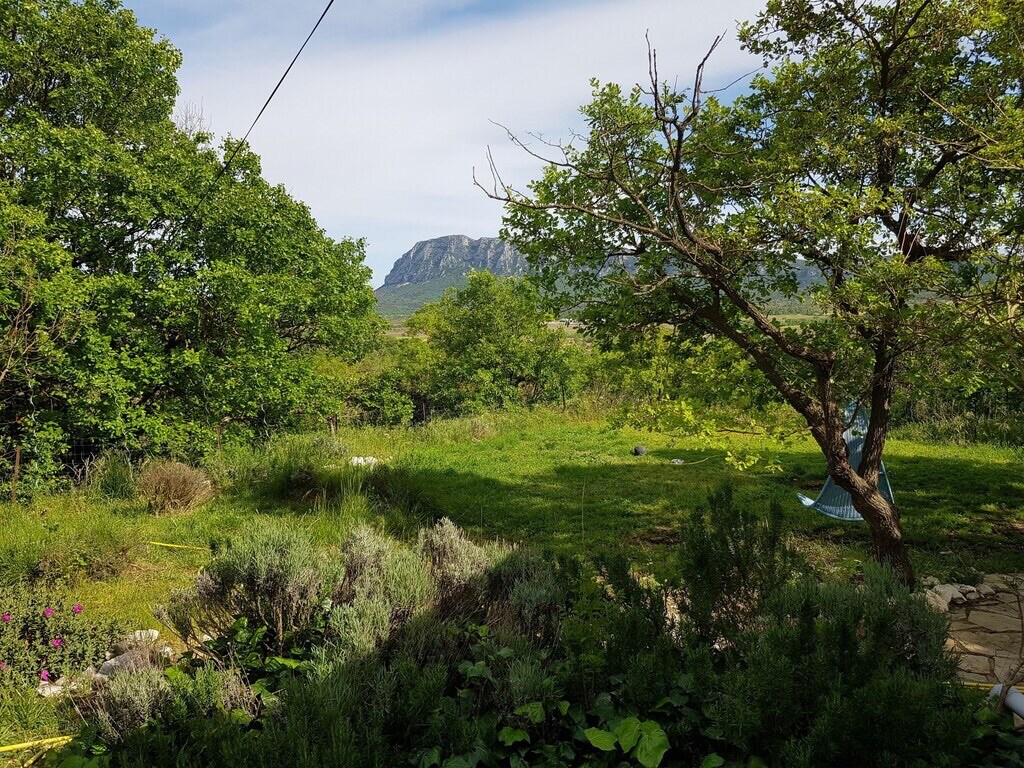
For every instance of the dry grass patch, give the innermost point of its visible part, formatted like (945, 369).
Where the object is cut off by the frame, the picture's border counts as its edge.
(170, 486)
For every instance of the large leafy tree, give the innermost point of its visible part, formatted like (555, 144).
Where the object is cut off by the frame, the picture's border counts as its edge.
(492, 346)
(855, 154)
(151, 298)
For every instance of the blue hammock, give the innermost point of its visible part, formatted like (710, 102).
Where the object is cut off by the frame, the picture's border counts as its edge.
(833, 501)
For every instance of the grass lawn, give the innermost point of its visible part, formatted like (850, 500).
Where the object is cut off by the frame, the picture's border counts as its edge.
(546, 479)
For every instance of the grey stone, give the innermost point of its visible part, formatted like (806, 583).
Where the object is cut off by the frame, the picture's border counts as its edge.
(929, 581)
(995, 622)
(137, 639)
(977, 665)
(986, 590)
(133, 659)
(640, 451)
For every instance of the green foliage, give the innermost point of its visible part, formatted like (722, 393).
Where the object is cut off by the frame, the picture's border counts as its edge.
(45, 636)
(132, 319)
(112, 477)
(493, 348)
(261, 596)
(731, 558)
(128, 702)
(858, 668)
(460, 654)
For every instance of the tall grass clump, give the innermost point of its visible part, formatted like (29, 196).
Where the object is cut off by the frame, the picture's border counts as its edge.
(112, 477)
(300, 467)
(62, 538)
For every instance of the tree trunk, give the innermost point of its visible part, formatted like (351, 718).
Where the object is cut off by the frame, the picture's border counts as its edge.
(883, 518)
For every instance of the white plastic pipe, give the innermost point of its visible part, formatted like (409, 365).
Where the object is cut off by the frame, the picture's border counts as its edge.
(1014, 699)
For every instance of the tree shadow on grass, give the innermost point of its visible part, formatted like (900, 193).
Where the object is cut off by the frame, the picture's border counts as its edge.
(952, 506)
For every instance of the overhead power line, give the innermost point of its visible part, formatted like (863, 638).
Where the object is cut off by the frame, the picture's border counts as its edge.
(230, 158)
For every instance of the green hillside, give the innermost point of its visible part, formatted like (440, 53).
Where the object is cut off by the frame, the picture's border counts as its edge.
(399, 302)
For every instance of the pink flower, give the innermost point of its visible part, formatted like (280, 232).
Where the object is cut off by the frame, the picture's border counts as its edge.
(44, 675)
(48, 612)
(56, 642)
(76, 609)
(3, 667)
(5, 617)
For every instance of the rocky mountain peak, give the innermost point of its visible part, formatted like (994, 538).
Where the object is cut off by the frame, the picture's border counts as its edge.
(453, 256)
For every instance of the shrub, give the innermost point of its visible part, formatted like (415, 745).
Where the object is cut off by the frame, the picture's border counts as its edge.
(730, 558)
(269, 578)
(126, 702)
(45, 636)
(170, 486)
(385, 583)
(454, 561)
(830, 670)
(296, 467)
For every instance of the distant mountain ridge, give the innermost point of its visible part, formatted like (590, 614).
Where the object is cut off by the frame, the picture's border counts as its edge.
(424, 272)
(430, 267)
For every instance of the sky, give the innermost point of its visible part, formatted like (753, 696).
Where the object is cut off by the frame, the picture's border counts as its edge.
(380, 124)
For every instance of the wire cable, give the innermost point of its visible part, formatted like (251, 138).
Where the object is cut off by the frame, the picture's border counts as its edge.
(227, 163)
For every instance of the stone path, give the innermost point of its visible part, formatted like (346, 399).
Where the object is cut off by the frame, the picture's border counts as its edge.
(986, 627)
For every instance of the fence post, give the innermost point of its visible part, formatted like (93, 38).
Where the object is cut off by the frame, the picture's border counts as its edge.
(17, 471)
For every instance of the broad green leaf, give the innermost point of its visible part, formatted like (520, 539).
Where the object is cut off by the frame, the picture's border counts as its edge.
(652, 746)
(628, 733)
(712, 761)
(534, 711)
(509, 736)
(603, 740)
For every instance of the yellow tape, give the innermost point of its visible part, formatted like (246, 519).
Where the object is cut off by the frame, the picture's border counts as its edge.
(177, 546)
(53, 741)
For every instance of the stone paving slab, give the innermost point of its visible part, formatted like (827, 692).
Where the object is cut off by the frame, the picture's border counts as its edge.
(986, 627)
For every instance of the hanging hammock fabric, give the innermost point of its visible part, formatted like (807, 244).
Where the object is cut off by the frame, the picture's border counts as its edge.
(833, 501)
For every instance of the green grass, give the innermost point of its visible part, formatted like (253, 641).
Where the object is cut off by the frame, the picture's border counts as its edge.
(545, 479)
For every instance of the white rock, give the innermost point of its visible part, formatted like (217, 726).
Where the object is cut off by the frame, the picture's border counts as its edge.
(929, 581)
(46, 690)
(140, 638)
(966, 589)
(126, 661)
(937, 601)
(950, 593)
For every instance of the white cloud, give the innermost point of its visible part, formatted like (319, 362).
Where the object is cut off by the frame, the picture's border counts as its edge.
(378, 129)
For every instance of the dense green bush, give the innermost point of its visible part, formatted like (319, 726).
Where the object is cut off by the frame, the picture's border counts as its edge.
(115, 338)
(452, 653)
(826, 670)
(731, 557)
